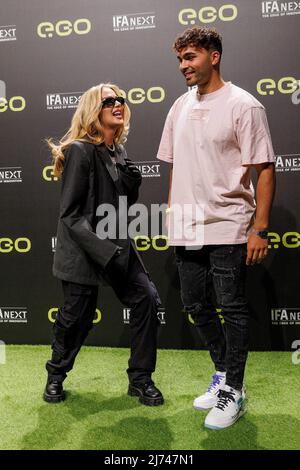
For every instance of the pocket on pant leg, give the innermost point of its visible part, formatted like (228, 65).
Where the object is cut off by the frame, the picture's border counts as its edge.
(80, 289)
(229, 285)
(78, 299)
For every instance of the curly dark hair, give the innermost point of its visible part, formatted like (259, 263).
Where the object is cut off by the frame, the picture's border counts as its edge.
(208, 38)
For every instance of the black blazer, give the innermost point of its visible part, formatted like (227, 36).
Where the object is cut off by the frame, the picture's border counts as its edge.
(88, 180)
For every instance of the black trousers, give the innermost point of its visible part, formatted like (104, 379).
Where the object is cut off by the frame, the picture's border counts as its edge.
(75, 319)
(215, 277)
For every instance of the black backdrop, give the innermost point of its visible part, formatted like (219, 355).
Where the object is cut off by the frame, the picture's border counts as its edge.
(53, 51)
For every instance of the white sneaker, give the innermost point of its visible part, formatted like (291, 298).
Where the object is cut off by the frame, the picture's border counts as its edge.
(210, 398)
(230, 406)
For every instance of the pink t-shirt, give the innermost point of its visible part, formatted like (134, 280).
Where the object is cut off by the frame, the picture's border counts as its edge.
(210, 140)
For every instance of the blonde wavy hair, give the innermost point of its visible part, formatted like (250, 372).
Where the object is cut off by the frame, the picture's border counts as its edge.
(86, 125)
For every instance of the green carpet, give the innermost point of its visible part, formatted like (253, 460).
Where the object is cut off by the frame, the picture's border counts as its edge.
(98, 414)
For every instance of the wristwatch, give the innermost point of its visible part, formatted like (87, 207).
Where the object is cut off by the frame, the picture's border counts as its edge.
(260, 233)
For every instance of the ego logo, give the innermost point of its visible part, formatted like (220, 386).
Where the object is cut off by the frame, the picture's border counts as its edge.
(52, 313)
(208, 14)
(21, 245)
(64, 28)
(48, 173)
(15, 103)
(288, 240)
(268, 86)
(155, 94)
(158, 243)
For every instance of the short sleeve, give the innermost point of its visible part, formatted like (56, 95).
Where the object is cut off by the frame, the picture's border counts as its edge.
(254, 137)
(165, 151)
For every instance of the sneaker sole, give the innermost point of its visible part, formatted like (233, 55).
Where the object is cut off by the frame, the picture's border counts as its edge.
(239, 415)
(133, 392)
(199, 408)
(51, 399)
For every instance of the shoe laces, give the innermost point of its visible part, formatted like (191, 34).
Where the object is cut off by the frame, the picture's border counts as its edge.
(216, 380)
(224, 399)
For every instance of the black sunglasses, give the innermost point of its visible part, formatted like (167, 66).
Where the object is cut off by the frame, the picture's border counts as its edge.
(110, 102)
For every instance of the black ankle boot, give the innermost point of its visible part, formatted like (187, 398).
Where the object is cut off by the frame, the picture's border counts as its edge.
(147, 392)
(54, 391)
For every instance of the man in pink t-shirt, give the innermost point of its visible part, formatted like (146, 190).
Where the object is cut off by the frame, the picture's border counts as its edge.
(214, 134)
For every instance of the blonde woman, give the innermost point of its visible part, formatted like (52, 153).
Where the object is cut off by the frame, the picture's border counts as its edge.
(94, 170)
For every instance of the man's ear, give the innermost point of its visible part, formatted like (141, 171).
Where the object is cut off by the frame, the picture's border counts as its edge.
(215, 57)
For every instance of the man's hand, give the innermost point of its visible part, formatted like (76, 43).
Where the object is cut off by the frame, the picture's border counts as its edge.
(257, 249)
